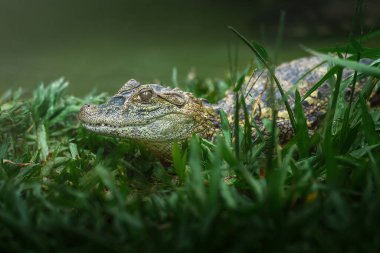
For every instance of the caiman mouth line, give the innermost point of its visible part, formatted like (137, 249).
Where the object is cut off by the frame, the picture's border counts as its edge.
(106, 128)
(105, 125)
(100, 125)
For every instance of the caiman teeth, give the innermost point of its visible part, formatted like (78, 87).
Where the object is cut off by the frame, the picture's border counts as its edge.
(101, 125)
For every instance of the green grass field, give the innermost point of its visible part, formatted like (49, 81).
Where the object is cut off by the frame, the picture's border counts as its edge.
(63, 189)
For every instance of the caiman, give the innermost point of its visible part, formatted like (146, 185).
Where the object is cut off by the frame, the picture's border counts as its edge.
(156, 116)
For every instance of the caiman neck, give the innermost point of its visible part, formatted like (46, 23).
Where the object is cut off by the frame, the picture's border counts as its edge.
(206, 125)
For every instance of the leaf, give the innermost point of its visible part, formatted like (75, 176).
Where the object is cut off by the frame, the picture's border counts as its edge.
(73, 150)
(368, 124)
(358, 153)
(257, 51)
(225, 127)
(42, 142)
(302, 135)
(4, 147)
(107, 178)
(326, 77)
(247, 125)
(255, 185)
(236, 124)
(370, 70)
(179, 161)
(196, 176)
(228, 196)
(305, 75)
(228, 155)
(241, 79)
(332, 170)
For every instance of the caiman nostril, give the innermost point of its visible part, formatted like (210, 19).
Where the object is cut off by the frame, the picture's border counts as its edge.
(86, 110)
(87, 106)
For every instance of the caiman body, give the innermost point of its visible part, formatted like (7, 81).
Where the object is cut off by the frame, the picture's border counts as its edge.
(157, 116)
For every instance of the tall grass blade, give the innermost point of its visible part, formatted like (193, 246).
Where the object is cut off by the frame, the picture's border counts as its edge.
(360, 67)
(369, 126)
(247, 125)
(302, 135)
(196, 176)
(326, 77)
(257, 51)
(332, 170)
(179, 162)
(237, 124)
(225, 127)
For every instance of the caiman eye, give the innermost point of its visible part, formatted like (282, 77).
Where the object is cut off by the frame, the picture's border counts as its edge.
(146, 95)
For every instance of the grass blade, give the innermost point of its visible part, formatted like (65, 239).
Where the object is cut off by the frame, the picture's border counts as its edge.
(42, 142)
(332, 171)
(225, 127)
(247, 125)
(326, 77)
(368, 124)
(302, 135)
(179, 162)
(360, 67)
(256, 50)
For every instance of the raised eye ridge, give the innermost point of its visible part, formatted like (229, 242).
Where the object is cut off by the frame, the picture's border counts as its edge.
(145, 95)
(118, 100)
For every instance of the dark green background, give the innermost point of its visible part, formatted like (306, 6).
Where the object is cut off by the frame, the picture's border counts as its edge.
(101, 44)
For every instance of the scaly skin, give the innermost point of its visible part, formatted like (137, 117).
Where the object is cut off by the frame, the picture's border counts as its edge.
(157, 116)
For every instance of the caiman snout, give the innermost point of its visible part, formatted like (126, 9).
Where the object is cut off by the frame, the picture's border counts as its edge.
(86, 111)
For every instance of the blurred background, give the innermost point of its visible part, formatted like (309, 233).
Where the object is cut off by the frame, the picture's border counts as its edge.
(101, 44)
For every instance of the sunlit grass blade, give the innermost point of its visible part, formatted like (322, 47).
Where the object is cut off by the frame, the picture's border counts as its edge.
(179, 161)
(360, 67)
(42, 142)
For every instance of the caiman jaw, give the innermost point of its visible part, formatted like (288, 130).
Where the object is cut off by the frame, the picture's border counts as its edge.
(93, 119)
(159, 129)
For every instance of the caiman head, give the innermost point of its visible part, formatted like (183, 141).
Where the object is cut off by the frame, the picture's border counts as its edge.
(151, 114)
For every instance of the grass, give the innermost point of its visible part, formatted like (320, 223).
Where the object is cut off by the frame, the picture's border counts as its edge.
(65, 189)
